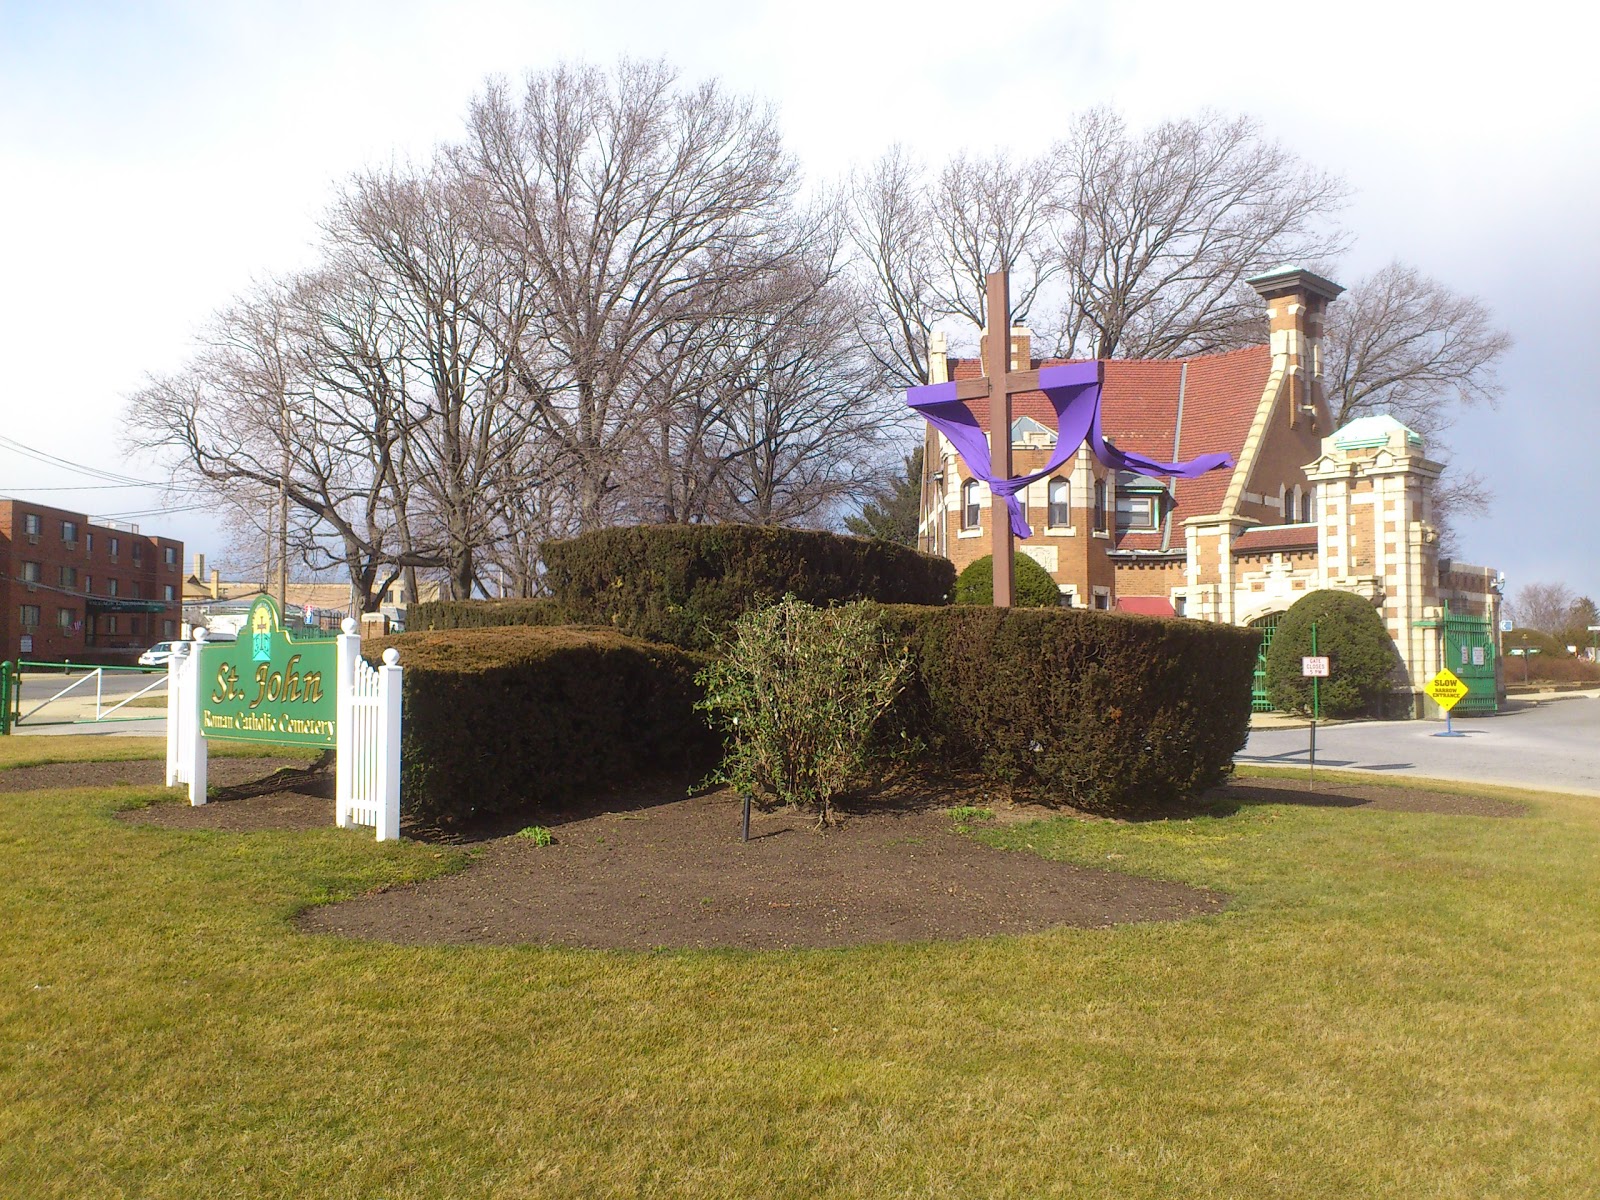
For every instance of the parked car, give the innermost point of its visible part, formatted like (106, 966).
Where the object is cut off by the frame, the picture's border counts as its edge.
(157, 655)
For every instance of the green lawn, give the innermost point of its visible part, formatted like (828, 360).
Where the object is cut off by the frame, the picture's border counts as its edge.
(1394, 1005)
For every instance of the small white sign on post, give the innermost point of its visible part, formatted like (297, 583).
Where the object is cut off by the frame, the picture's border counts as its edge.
(1314, 666)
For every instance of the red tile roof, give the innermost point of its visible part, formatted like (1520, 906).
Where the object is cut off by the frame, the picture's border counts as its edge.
(1276, 537)
(1150, 606)
(1139, 412)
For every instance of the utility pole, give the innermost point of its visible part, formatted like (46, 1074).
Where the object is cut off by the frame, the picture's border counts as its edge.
(283, 518)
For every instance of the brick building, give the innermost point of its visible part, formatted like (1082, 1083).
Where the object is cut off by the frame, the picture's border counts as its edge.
(90, 593)
(1303, 507)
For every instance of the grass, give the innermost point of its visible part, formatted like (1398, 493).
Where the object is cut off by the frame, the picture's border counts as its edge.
(1394, 1004)
(37, 751)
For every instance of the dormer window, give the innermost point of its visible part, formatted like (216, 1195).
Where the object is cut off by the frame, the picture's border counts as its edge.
(1136, 513)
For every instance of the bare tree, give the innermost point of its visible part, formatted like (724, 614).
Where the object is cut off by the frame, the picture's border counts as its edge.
(809, 416)
(1161, 230)
(1400, 343)
(992, 214)
(626, 203)
(1120, 245)
(1546, 607)
(240, 425)
(457, 312)
(892, 233)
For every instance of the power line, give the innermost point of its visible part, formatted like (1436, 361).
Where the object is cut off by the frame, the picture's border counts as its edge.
(150, 512)
(83, 487)
(67, 465)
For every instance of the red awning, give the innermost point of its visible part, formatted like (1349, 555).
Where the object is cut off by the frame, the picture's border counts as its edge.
(1148, 606)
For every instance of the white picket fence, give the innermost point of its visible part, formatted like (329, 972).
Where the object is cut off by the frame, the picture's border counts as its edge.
(367, 739)
(366, 733)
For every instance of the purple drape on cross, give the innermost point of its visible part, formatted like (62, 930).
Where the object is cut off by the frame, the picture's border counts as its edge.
(1074, 392)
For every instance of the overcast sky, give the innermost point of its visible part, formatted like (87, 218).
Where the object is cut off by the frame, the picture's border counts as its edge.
(158, 157)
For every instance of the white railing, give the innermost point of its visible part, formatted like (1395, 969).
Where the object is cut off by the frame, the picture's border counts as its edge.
(367, 739)
(96, 675)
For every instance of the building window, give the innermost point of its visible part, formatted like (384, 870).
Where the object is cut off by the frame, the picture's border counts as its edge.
(88, 541)
(969, 504)
(111, 623)
(64, 618)
(116, 546)
(69, 532)
(167, 629)
(1102, 599)
(168, 594)
(138, 552)
(134, 590)
(1307, 511)
(169, 555)
(1135, 511)
(1060, 503)
(1180, 605)
(111, 587)
(30, 616)
(1099, 507)
(69, 577)
(31, 524)
(88, 585)
(30, 572)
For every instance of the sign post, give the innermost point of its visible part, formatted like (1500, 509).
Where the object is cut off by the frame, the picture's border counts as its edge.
(1314, 667)
(1446, 689)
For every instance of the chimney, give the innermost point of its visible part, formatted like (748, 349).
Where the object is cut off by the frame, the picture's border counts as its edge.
(216, 584)
(1296, 301)
(1021, 347)
(200, 568)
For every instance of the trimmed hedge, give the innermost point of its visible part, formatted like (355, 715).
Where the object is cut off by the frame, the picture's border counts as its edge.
(1032, 586)
(484, 614)
(501, 720)
(686, 584)
(1350, 633)
(1110, 712)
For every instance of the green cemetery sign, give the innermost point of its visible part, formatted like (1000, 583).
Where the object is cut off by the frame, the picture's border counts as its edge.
(265, 688)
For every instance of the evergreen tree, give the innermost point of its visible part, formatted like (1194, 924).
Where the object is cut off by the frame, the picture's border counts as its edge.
(892, 513)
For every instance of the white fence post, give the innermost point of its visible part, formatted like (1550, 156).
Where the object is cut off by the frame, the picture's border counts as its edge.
(177, 668)
(388, 747)
(192, 745)
(344, 737)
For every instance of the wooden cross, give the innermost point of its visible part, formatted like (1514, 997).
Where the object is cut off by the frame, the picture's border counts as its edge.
(999, 383)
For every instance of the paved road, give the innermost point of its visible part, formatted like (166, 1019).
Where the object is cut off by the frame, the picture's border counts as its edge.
(75, 710)
(1554, 744)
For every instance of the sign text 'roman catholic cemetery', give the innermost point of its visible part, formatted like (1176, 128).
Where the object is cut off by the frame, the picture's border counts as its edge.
(267, 687)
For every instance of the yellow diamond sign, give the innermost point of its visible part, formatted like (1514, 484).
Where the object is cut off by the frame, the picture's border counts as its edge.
(1446, 689)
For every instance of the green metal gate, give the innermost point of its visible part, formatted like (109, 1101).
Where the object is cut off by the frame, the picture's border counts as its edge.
(1468, 646)
(1258, 698)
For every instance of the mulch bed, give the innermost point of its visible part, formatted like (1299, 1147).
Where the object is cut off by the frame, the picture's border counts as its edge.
(138, 773)
(652, 868)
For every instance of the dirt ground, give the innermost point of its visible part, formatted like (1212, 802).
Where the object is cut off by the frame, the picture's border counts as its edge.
(654, 868)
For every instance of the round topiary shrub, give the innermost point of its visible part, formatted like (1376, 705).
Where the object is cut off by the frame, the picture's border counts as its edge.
(1362, 657)
(1032, 584)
